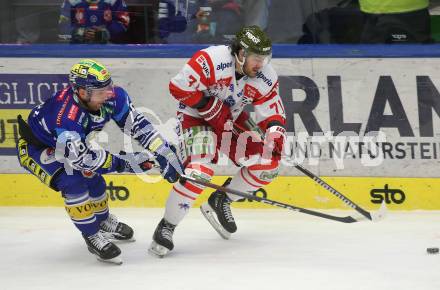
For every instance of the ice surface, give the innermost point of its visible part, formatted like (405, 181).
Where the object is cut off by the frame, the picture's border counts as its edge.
(272, 249)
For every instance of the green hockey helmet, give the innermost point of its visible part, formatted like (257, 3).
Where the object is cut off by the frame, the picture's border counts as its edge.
(253, 40)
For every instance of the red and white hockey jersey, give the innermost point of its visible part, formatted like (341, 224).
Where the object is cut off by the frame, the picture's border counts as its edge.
(211, 72)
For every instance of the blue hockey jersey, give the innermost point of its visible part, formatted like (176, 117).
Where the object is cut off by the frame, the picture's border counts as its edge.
(111, 14)
(63, 122)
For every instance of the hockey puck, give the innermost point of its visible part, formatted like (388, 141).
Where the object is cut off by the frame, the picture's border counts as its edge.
(432, 250)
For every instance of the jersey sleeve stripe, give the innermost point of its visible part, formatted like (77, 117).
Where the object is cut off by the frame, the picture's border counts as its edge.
(207, 74)
(198, 70)
(211, 67)
(189, 98)
(270, 95)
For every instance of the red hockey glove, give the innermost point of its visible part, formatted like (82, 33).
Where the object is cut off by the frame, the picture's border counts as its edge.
(217, 114)
(274, 140)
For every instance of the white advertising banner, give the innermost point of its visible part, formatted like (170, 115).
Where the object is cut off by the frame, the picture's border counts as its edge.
(346, 117)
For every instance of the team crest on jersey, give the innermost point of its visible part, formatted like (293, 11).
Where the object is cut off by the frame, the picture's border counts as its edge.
(224, 82)
(48, 156)
(251, 92)
(93, 19)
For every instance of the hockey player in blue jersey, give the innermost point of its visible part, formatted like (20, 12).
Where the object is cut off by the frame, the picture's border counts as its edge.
(93, 21)
(53, 147)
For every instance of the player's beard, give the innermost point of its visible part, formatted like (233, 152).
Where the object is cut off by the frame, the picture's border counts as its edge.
(249, 72)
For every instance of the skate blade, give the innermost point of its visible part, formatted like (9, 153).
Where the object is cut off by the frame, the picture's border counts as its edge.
(158, 250)
(131, 240)
(115, 238)
(209, 214)
(115, 260)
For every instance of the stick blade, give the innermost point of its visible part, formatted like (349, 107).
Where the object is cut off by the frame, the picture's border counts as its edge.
(348, 219)
(380, 214)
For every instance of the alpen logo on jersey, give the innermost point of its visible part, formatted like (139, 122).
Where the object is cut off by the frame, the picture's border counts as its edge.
(73, 112)
(252, 37)
(201, 60)
(223, 65)
(260, 75)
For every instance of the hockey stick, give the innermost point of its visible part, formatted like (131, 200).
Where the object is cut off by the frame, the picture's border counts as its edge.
(346, 219)
(380, 214)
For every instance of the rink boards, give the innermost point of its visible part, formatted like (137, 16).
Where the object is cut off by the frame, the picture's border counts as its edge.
(333, 106)
(334, 97)
(132, 191)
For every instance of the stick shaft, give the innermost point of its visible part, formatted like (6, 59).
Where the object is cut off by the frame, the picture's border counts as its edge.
(347, 219)
(339, 195)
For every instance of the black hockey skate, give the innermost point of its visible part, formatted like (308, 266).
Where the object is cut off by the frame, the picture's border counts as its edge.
(220, 204)
(104, 250)
(162, 239)
(115, 230)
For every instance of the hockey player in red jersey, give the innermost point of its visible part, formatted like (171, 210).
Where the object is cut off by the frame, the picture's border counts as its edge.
(212, 89)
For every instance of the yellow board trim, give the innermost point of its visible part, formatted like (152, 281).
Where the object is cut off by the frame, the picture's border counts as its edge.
(130, 191)
(9, 119)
